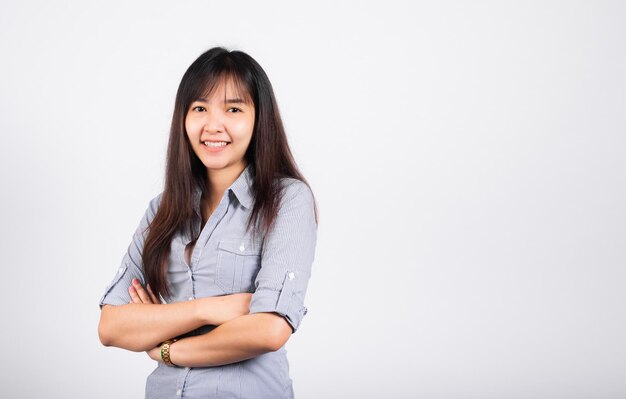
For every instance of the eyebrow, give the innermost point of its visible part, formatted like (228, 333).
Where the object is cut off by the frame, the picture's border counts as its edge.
(226, 101)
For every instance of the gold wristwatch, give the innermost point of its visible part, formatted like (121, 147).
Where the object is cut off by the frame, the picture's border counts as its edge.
(165, 352)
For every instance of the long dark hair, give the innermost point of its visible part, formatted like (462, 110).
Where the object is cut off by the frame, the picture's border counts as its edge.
(268, 156)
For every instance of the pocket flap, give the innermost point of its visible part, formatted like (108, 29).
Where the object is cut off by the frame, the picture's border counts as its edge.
(240, 247)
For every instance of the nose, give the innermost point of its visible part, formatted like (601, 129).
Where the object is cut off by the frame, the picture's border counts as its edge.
(213, 123)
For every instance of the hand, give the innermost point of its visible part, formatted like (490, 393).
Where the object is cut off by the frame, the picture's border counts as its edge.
(220, 309)
(155, 354)
(140, 295)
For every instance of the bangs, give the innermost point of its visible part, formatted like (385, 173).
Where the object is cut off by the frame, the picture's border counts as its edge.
(235, 86)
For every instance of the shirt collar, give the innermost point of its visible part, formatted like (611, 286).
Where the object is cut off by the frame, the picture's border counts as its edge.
(241, 187)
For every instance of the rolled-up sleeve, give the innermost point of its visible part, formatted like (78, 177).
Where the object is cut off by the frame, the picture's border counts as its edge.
(116, 293)
(287, 256)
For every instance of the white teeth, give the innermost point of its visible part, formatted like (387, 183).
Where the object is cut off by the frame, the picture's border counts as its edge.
(214, 144)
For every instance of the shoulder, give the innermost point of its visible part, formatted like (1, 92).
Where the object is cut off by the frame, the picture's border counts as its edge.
(153, 207)
(295, 190)
(156, 201)
(297, 200)
(149, 214)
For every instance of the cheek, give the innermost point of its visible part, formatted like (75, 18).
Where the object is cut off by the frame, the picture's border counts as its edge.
(191, 128)
(245, 128)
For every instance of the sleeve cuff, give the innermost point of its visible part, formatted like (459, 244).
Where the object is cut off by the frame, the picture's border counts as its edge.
(283, 302)
(111, 296)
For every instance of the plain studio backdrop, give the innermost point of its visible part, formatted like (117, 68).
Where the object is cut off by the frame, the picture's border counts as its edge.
(468, 159)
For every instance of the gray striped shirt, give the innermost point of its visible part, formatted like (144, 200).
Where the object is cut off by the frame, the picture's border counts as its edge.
(225, 260)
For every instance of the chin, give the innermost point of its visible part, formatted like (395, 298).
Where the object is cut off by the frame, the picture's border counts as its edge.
(215, 165)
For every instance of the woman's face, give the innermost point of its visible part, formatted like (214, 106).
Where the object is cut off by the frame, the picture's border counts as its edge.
(220, 128)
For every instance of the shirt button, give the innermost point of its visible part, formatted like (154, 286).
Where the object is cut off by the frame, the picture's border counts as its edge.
(178, 392)
(189, 273)
(291, 276)
(121, 270)
(191, 298)
(242, 247)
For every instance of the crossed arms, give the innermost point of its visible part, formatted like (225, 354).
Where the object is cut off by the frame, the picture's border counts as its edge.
(144, 323)
(248, 325)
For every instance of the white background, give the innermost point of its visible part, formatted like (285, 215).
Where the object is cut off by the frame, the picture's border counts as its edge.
(468, 159)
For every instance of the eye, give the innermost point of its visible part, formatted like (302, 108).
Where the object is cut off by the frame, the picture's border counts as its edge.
(233, 109)
(199, 108)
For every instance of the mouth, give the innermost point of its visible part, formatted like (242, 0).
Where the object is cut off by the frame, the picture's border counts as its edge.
(215, 144)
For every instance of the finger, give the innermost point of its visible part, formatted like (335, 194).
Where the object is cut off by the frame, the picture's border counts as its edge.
(133, 295)
(143, 295)
(152, 296)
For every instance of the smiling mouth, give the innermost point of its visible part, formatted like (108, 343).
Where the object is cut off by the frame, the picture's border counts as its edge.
(215, 144)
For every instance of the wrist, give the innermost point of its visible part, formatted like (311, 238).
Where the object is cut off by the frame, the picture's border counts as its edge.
(202, 304)
(165, 352)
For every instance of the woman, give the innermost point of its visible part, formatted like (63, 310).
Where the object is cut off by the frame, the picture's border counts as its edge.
(213, 283)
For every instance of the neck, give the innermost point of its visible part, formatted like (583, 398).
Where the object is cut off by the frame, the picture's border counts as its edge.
(220, 180)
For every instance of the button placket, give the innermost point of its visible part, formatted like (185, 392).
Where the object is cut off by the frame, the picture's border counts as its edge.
(214, 219)
(181, 381)
(191, 284)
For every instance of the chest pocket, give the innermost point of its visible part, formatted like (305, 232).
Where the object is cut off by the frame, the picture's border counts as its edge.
(238, 262)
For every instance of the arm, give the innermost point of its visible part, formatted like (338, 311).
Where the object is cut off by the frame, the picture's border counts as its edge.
(276, 307)
(143, 324)
(139, 327)
(239, 339)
